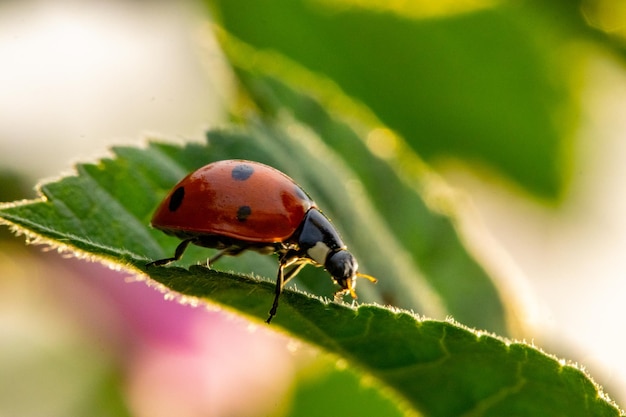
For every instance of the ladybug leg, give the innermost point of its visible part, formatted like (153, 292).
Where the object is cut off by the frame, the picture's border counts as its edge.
(281, 280)
(230, 251)
(180, 249)
(294, 271)
(217, 256)
(280, 283)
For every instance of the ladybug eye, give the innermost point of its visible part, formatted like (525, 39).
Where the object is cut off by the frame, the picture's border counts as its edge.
(176, 199)
(341, 265)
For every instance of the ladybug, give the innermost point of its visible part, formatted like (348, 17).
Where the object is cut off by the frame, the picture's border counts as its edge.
(239, 205)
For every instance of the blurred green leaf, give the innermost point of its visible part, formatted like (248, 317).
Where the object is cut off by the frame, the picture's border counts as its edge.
(48, 370)
(592, 21)
(485, 86)
(344, 391)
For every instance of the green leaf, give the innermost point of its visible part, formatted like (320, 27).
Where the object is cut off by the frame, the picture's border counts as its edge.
(437, 368)
(485, 87)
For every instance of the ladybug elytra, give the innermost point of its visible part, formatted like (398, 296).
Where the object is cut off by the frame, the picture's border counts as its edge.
(239, 205)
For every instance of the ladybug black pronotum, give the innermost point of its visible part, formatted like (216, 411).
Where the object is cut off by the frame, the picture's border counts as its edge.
(238, 205)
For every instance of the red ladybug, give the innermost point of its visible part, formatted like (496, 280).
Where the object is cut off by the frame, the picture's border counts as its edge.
(238, 205)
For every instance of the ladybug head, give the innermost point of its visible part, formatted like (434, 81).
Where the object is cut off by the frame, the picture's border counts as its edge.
(344, 269)
(341, 265)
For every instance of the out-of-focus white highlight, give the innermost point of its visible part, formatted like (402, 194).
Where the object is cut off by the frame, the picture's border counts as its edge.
(77, 76)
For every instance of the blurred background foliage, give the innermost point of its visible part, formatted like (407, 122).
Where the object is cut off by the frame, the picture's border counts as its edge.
(498, 88)
(486, 86)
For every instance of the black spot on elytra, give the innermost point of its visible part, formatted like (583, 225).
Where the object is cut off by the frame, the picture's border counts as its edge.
(243, 212)
(177, 198)
(242, 172)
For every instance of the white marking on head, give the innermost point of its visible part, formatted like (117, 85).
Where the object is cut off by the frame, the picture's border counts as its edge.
(319, 252)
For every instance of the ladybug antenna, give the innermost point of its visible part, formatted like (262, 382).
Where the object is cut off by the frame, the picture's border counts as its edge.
(350, 283)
